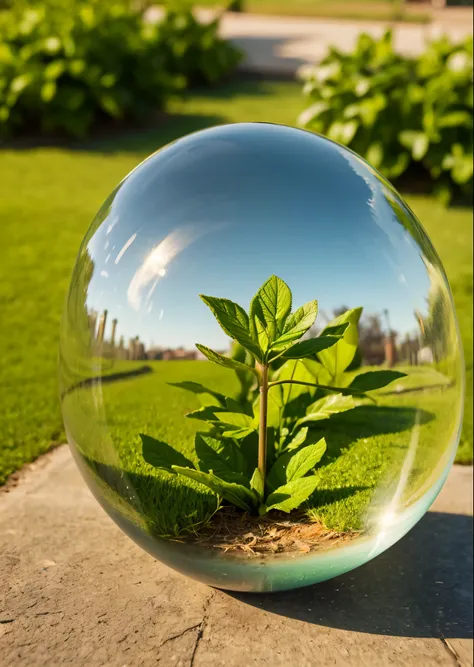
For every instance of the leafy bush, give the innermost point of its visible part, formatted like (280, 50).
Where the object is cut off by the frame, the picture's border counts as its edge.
(258, 453)
(397, 111)
(66, 64)
(194, 49)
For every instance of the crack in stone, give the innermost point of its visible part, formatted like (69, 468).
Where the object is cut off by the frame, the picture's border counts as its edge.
(452, 651)
(202, 626)
(180, 634)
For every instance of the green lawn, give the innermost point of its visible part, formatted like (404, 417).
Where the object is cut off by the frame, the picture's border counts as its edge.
(367, 447)
(48, 196)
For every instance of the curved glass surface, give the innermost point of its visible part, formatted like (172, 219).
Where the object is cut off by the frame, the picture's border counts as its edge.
(217, 213)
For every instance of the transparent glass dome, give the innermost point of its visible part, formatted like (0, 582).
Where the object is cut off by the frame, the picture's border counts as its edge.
(218, 213)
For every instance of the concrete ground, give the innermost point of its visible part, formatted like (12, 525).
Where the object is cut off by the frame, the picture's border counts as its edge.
(74, 590)
(281, 44)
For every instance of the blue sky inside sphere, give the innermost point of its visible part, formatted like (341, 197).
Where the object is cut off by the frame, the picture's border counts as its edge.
(221, 210)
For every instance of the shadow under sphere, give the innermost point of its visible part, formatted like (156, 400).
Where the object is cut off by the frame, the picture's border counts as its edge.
(422, 587)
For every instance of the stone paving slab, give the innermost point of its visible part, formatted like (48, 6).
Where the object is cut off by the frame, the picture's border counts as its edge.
(282, 44)
(74, 590)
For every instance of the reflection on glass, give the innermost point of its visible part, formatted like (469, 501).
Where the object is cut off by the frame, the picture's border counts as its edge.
(217, 213)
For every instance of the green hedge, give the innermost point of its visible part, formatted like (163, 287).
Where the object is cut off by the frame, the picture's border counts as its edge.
(66, 64)
(397, 111)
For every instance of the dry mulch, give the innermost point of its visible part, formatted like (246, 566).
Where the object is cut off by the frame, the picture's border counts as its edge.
(274, 533)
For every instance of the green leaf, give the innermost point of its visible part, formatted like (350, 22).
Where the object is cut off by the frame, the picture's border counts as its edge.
(296, 325)
(325, 407)
(258, 328)
(48, 91)
(298, 439)
(316, 370)
(312, 113)
(375, 154)
(19, 83)
(396, 163)
(290, 496)
(417, 142)
(235, 419)
(274, 407)
(238, 434)
(336, 329)
(338, 357)
(249, 448)
(306, 348)
(222, 457)
(294, 464)
(224, 361)
(233, 320)
(196, 388)
(236, 494)
(245, 377)
(293, 369)
(161, 455)
(270, 307)
(304, 460)
(110, 104)
(238, 352)
(206, 413)
(257, 483)
(420, 147)
(463, 170)
(234, 406)
(370, 108)
(456, 119)
(343, 132)
(54, 69)
(276, 477)
(373, 380)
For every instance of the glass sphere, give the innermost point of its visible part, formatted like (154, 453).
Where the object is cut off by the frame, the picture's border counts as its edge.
(362, 416)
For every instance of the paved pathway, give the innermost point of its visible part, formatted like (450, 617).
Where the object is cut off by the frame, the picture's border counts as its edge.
(279, 45)
(74, 590)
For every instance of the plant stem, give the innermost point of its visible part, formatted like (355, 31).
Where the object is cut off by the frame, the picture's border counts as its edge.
(262, 435)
